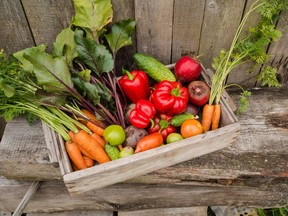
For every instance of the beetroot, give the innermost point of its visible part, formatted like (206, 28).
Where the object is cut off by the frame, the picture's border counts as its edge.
(192, 108)
(199, 92)
(187, 69)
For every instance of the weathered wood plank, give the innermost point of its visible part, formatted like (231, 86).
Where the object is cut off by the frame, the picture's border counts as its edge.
(25, 153)
(154, 28)
(187, 24)
(15, 32)
(74, 213)
(26, 198)
(221, 20)
(192, 211)
(48, 18)
(124, 9)
(53, 196)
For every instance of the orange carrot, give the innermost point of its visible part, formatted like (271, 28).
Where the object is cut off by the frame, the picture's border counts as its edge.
(149, 142)
(99, 139)
(75, 155)
(207, 116)
(85, 153)
(95, 128)
(216, 116)
(71, 135)
(88, 161)
(92, 118)
(90, 145)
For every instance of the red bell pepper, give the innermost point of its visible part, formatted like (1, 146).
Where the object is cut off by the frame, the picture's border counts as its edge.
(143, 113)
(170, 97)
(161, 125)
(135, 85)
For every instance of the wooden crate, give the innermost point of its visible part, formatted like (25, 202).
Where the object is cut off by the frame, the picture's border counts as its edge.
(109, 173)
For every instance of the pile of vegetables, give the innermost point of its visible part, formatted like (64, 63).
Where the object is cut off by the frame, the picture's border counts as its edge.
(102, 116)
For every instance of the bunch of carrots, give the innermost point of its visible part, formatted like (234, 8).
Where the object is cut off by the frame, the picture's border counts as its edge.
(86, 147)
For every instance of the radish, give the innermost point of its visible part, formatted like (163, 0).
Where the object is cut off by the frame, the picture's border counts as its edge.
(199, 92)
(187, 69)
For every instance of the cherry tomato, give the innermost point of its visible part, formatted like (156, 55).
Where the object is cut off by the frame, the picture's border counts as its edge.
(191, 127)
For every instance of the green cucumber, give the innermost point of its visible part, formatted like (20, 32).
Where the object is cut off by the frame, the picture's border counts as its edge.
(154, 69)
(112, 151)
(177, 120)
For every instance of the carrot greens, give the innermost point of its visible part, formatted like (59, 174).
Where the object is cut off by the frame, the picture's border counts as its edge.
(251, 47)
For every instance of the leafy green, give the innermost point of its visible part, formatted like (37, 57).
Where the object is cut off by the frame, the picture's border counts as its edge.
(65, 45)
(120, 34)
(48, 70)
(26, 99)
(27, 66)
(250, 48)
(268, 76)
(96, 56)
(8, 90)
(244, 102)
(92, 15)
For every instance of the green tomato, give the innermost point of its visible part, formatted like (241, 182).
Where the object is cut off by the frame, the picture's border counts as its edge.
(126, 151)
(174, 137)
(114, 135)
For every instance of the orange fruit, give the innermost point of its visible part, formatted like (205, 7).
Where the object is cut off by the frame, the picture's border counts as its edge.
(191, 127)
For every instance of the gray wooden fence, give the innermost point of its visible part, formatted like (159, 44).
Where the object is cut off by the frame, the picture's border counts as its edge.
(165, 29)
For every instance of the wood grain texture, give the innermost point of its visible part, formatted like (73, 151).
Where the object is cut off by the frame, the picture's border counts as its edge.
(48, 18)
(23, 152)
(187, 26)
(26, 198)
(154, 28)
(53, 196)
(122, 10)
(15, 32)
(221, 20)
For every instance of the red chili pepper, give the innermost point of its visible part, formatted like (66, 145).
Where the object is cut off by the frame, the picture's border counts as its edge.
(170, 97)
(135, 85)
(143, 113)
(162, 126)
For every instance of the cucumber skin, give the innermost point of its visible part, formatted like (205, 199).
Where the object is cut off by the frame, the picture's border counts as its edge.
(112, 151)
(154, 69)
(177, 120)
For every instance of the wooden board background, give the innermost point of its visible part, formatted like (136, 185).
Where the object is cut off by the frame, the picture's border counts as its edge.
(165, 29)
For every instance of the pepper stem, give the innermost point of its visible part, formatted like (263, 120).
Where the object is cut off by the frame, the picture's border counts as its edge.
(129, 75)
(176, 91)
